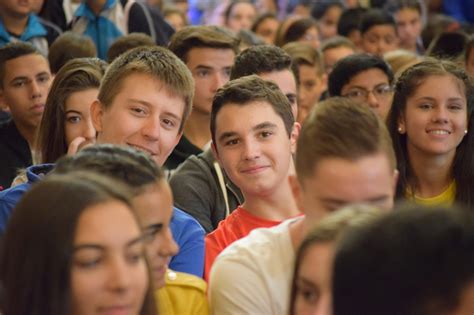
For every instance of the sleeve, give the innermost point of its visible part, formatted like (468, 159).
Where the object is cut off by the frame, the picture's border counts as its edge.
(236, 287)
(6, 207)
(190, 237)
(193, 193)
(8, 200)
(137, 20)
(212, 250)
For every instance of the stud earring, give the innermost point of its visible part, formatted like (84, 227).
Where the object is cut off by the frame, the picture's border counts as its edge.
(400, 129)
(465, 132)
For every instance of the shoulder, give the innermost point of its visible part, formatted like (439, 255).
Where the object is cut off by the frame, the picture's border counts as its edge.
(185, 222)
(185, 281)
(182, 294)
(194, 165)
(259, 243)
(6, 126)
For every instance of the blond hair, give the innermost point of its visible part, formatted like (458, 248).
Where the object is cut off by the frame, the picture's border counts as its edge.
(156, 61)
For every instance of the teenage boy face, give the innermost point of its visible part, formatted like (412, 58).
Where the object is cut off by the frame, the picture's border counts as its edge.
(287, 84)
(312, 85)
(335, 182)
(210, 68)
(25, 89)
(143, 115)
(371, 87)
(380, 39)
(253, 147)
(16, 8)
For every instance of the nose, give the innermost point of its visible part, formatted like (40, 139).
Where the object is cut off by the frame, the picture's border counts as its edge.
(218, 81)
(441, 115)
(89, 131)
(251, 150)
(35, 89)
(324, 306)
(168, 246)
(151, 128)
(119, 275)
(372, 100)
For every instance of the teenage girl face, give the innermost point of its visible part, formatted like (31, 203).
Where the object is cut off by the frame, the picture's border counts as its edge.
(408, 26)
(311, 37)
(313, 281)
(108, 272)
(176, 21)
(328, 22)
(435, 118)
(267, 30)
(154, 208)
(241, 16)
(78, 122)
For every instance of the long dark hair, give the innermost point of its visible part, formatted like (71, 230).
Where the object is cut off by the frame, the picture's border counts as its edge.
(36, 255)
(463, 165)
(77, 75)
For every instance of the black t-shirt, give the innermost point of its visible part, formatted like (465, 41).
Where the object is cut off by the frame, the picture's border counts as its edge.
(14, 153)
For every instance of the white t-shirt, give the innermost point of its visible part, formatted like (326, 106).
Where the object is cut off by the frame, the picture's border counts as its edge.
(253, 275)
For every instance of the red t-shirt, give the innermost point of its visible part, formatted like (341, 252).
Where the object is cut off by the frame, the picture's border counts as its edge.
(237, 225)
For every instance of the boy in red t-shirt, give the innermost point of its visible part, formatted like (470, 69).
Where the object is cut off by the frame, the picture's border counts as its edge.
(253, 136)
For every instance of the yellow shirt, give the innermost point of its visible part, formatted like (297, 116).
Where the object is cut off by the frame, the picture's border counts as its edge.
(446, 198)
(183, 294)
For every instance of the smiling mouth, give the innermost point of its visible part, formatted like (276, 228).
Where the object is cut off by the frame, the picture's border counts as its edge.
(439, 132)
(254, 169)
(115, 310)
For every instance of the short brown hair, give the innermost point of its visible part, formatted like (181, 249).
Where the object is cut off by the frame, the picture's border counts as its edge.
(127, 42)
(340, 128)
(304, 54)
(336, 42)
(156, 61)
(209, 36)
(14, 50)
(262, 59)
(248, 89)
(68, 46)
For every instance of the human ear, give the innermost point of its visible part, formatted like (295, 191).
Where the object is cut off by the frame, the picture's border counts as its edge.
(97, 112)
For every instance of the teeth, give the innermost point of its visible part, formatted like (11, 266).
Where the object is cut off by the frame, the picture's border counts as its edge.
(439, 132)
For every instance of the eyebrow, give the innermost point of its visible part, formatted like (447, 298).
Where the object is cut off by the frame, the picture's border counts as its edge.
(73, 111)
(307, 282)
(130, 243)
(429, 98)
(147, 104)
(263, 125)
(154, 227)
(364, 88)
(338, 202)
(203, 67)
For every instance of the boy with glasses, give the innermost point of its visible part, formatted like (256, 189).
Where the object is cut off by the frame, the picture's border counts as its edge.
(363, 78)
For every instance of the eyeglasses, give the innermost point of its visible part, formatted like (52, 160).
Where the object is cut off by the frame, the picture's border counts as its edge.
(381, 92)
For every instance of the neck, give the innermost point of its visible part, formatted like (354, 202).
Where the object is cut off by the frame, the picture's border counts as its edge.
(197, 130)
(14, 24)
(276, 206)
(432, 173)
(409, 47)
(298, 231)
(29, 133)
(95, 6)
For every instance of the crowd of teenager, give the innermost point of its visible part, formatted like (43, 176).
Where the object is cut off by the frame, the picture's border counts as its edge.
(237, 157)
